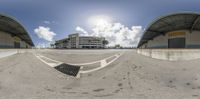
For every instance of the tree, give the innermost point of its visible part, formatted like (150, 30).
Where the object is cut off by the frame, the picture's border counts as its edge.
(105, 42)
(117, 46)
(52, 45)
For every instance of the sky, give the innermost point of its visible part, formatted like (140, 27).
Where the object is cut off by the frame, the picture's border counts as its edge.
(119, 21)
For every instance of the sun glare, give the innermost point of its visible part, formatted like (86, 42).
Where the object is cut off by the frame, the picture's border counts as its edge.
(99, 21)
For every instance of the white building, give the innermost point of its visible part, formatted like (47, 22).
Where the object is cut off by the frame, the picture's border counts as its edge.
(76, 41)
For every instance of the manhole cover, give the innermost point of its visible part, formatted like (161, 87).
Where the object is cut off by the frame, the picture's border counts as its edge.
(68, 69)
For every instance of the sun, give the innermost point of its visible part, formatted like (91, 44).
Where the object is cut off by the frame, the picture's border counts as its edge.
(99, 21)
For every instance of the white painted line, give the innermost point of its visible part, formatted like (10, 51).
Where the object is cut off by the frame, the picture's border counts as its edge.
(102, 62)
(54, 63)
(102, 65)
(89, 63)
(80, 64)
(50, 59)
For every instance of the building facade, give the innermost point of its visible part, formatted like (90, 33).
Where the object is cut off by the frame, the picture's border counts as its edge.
(76, 41)
(13, 34)
(179, 30)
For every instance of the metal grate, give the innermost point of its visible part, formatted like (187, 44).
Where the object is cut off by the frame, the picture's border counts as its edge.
(68, 69)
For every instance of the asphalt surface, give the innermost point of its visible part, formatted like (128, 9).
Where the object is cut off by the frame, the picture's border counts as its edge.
(131, 76)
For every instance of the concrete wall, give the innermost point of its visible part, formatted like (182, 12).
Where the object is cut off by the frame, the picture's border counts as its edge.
(7, 52)
(192, 40)
(22, 44)
(6, 40)
(158, 42)
(171, 54)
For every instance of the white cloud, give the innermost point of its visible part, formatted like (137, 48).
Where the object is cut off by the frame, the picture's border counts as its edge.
(117, 33)
(83, 32)
(44, 33)
(47, 22)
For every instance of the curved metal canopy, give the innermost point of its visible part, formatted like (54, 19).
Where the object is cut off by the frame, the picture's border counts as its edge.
(172, 22)
(12, 26)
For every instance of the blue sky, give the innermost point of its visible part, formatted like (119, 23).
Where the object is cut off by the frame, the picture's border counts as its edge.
(62, 17)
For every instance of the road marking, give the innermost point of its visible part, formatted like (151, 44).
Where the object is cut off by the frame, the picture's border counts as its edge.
(53, 63)
(103, 62)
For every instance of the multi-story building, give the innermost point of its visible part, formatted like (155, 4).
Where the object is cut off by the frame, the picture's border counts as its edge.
(76, 41)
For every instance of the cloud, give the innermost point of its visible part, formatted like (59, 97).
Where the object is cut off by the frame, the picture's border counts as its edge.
(83, 32)
(47, 22)
(117, 33)
(44, 33)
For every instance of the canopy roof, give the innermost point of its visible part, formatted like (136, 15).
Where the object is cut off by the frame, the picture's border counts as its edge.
(12, 26)
(172, 22)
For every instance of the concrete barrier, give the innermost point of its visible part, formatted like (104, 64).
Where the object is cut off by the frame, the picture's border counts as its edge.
(5, 53)
(171, 54)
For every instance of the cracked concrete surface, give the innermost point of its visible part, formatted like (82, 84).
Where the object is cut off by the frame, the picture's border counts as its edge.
(132, 76)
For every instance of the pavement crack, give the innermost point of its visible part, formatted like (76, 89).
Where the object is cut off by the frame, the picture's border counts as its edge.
(129, 80)
(98, 90)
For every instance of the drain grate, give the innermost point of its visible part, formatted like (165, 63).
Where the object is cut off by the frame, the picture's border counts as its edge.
(68, 69)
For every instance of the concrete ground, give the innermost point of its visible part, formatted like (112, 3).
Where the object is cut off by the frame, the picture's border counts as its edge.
(131, 76)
